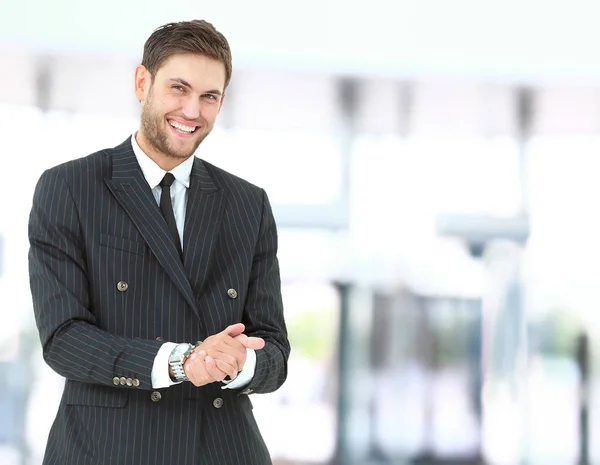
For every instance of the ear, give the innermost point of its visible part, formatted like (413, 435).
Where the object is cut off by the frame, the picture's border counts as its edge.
(142, 82)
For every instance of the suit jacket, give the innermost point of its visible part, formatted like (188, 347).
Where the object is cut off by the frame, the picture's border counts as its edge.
(109, 287)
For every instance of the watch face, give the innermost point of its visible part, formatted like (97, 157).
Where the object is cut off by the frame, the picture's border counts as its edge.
(179, 352)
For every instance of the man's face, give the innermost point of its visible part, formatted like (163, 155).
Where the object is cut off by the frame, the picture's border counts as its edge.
(180, 105)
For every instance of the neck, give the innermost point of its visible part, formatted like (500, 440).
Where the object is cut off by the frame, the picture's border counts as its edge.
(165, 162)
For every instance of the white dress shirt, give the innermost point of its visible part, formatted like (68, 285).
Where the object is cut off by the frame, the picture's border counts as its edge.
(179, 189)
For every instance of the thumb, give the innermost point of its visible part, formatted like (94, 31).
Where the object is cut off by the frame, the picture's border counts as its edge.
(254, 343)
(234, 330)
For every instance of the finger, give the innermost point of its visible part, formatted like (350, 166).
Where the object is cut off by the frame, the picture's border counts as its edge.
(196, 378)
(234, 330)
(234, 362)
(198, 353)
(188, 368)
(227, 369)
(236, 344)
(196, 373)
(190, 374)
(226, 348)
(254, 343)
(213, 371)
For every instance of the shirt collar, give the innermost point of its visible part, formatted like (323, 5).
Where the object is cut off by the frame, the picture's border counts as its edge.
(154, 173)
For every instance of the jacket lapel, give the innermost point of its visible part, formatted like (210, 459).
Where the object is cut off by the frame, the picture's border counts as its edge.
(202, 223)
(132, 191)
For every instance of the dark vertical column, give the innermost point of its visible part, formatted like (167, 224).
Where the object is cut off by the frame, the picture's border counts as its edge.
(344, 376)
(380, 347)
(346, 98)
(525, 114)
(583, 362)
(525, 118)
(347, 104)
(43, 81)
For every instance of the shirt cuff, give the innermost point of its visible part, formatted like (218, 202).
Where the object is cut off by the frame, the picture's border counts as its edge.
(160, 369)
(245, 376)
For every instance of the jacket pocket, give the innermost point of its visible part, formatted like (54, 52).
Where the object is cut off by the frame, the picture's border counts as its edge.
(94, 395)
(121, 243)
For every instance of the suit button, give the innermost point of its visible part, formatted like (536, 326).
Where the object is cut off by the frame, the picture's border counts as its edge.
(122, 286)
(159, 338)
(129, 382)
(116, 380)
(135, 382)
(122, 381)
(218, 402)
(232, 293)
(155, 396)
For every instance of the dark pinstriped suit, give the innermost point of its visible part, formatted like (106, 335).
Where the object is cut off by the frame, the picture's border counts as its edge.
(94, 224)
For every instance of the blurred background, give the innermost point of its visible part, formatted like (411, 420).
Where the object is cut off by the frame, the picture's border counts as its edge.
(433, 168)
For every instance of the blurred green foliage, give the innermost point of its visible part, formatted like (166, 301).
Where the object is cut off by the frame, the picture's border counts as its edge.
(555, 334)
(313, 333)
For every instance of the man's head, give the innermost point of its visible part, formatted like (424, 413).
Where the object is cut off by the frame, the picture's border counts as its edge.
(181, 84)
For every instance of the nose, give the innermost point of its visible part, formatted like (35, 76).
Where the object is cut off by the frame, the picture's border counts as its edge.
(191, 108)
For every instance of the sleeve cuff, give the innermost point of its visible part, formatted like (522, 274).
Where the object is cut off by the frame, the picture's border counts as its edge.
(160, 369)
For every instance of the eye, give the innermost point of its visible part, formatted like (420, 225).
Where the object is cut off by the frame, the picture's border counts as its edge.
(210, 97)
(179, 88)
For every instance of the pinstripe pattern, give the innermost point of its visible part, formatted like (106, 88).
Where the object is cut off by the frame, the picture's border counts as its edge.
(95, 223)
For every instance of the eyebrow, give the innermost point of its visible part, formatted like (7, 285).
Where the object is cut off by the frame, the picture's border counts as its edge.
(187, 84)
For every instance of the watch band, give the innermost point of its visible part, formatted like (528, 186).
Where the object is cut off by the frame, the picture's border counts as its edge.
(177, 360)
(178, 371)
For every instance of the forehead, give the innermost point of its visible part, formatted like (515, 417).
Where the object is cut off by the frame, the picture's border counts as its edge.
(199, 70)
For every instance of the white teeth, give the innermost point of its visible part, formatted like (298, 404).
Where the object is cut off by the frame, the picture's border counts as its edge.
(181, 127)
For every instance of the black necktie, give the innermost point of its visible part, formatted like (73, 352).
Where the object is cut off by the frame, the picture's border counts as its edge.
(166, 207)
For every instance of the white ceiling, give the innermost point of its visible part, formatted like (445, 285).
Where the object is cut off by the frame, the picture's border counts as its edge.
(500, 40)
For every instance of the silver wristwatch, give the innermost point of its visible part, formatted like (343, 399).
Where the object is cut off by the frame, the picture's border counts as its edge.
(177, 359)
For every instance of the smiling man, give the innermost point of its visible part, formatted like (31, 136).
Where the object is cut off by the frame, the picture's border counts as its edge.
(155, 280)
(178, 112)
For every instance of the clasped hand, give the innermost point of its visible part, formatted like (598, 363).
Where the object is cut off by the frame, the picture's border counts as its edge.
(220, 355)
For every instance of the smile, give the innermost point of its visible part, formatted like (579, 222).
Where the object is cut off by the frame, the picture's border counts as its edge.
(182, 128)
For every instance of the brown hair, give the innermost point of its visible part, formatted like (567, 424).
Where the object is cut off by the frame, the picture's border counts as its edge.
(196, 36)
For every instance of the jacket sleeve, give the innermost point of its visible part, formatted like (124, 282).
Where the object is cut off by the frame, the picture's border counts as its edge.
(263, 312)
(73, 344)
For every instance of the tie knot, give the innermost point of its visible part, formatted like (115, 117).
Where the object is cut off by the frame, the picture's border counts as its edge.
(167, 180)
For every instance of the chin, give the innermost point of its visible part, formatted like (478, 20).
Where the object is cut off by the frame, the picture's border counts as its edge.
(178, 150)
(180, 154)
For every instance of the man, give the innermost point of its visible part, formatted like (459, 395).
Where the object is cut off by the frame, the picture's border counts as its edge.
(155, 280)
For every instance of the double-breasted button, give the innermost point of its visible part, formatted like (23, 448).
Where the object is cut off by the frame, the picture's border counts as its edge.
(116, 380)
(122, 381)
(155, 396)
(129, 382)
(122, 286)
(159, 338)
(218, 402)
(135, 382)
(232, 293)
